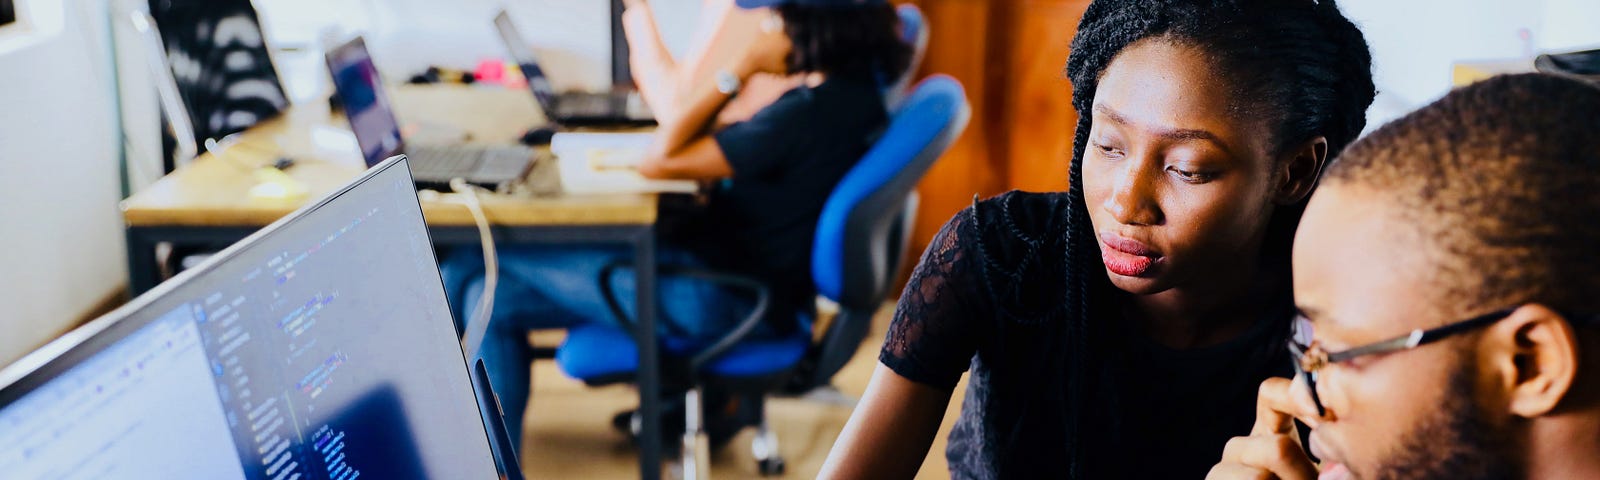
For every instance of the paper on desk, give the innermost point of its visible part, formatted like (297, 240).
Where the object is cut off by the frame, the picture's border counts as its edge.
(579, 140)
(604, 150)
(606, 163)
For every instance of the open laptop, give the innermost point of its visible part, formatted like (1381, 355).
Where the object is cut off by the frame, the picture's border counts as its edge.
(320, 347)
(617, 107)
(359, 91)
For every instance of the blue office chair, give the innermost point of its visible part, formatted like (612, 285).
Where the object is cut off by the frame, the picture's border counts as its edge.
(858, 247)
(913, 31)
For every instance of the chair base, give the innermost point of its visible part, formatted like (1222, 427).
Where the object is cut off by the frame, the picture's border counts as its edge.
(696, 443)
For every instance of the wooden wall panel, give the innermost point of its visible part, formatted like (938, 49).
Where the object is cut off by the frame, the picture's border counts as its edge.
(1009, 55)
(957, 46)
(1037, 116)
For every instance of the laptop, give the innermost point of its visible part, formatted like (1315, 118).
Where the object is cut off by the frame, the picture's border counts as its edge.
(359, 90)
(617, 107)
(321, 347)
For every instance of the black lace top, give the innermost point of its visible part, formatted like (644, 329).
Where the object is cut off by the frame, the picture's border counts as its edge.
(988, 295)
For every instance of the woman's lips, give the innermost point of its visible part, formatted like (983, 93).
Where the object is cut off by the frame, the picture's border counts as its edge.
(1126, 257)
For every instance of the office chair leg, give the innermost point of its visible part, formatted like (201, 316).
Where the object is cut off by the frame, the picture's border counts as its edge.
(765, 448)
(696, 445)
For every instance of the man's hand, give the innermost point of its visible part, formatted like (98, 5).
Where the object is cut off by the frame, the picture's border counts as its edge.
(1273, 450)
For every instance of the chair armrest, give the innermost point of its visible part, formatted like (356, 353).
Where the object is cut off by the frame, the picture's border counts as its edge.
(721, 345)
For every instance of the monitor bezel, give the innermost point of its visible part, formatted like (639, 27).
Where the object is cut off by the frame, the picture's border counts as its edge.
(37, 368)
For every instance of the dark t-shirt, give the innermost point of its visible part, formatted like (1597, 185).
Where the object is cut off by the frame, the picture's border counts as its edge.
(988, 296)
(786, 160)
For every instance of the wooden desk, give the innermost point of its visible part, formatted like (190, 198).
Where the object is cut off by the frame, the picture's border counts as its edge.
(1466, 73)
(207, 203)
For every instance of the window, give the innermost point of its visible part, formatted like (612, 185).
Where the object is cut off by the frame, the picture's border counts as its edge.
(8, 11)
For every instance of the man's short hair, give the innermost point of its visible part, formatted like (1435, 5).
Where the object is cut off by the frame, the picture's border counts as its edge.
(1502, 181)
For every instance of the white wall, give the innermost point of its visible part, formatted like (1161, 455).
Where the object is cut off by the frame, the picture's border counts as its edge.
(1415, 42)
(61, 247)
(572, 37)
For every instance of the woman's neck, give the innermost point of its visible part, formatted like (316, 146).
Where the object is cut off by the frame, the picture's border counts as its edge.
(1206, 313)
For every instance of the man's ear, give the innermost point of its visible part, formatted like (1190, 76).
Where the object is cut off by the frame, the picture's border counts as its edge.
(1299, 169)
(1534, 352)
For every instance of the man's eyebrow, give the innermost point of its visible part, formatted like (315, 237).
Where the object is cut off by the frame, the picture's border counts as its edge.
(1180, 134)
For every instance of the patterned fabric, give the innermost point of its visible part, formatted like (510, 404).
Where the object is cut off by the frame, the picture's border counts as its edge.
(219, 59)
(989, 297)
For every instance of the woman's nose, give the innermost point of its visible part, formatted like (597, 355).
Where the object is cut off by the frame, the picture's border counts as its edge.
(1132, 200)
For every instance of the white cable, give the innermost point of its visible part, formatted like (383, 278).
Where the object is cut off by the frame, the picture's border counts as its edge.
(478, 323)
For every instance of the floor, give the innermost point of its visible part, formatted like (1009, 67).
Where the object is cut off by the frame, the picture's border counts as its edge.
(568, 432)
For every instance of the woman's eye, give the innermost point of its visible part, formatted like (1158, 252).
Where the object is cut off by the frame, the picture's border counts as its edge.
(1192, 176)
(1108, 150)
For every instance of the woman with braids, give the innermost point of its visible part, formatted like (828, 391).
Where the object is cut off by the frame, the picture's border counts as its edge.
(1120, 329)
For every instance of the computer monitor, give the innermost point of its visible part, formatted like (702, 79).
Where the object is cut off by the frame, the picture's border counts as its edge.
(523, 54)
(318, 348)
(360, 93)
(621, 70)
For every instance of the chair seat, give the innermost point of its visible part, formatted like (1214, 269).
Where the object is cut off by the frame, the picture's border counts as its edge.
(596, 352)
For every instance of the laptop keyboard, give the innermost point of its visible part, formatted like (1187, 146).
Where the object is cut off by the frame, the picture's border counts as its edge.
(446, 161)
(473, 163)
(502, 163)
(587, 104)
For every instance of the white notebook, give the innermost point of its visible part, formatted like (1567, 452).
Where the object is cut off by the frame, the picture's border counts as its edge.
(608, 163)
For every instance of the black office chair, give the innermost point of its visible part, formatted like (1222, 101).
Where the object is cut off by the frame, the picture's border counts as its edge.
(219, 60)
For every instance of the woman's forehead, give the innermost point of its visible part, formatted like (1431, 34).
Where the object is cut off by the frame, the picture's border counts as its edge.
(1160, 87)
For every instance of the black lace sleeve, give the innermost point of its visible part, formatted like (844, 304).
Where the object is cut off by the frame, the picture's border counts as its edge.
(937, 323)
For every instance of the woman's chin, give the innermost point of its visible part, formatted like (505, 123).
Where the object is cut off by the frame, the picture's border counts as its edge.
(1138, 285)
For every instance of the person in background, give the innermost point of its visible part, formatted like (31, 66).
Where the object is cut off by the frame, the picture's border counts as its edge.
(666, 83)
(1120, 329)
(781, 164)
(1447, 275)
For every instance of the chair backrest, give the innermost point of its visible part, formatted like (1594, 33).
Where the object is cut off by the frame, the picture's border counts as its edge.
(220, 61)
(859, 239)
(913, 31)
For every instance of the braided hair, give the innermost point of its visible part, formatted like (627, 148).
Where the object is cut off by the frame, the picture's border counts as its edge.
(1302, 66)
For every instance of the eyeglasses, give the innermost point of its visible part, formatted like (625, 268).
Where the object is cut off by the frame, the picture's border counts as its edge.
(1309, 359)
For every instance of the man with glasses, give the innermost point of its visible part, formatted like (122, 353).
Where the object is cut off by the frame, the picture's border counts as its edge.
(1448, 275)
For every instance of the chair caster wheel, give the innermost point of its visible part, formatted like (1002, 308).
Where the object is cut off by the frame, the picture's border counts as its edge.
(770, 467)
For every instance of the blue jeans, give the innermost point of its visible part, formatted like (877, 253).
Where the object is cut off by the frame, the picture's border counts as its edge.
(557, 286)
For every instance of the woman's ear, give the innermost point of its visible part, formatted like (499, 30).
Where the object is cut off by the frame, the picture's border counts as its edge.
(1299, 169)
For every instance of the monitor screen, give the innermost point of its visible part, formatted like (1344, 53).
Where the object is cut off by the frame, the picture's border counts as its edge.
(522, 53)
(359, 91)
(621, 72)
(321, 348)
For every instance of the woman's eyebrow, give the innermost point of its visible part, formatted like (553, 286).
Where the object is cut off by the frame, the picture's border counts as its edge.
(1308, 312)
(1179, 134)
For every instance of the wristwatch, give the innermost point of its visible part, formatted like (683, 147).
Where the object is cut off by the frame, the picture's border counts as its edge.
(727, 82)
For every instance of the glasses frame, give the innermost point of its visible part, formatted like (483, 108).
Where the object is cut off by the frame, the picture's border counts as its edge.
(1308, 360)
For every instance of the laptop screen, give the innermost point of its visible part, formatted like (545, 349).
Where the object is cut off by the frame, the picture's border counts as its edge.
(321, 348)
(523, 55)
(359, 91)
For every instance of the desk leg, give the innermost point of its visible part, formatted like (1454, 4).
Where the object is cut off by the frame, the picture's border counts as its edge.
(143, 273)
(649, 366)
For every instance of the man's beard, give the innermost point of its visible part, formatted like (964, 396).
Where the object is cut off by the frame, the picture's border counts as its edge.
(1456, 443)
